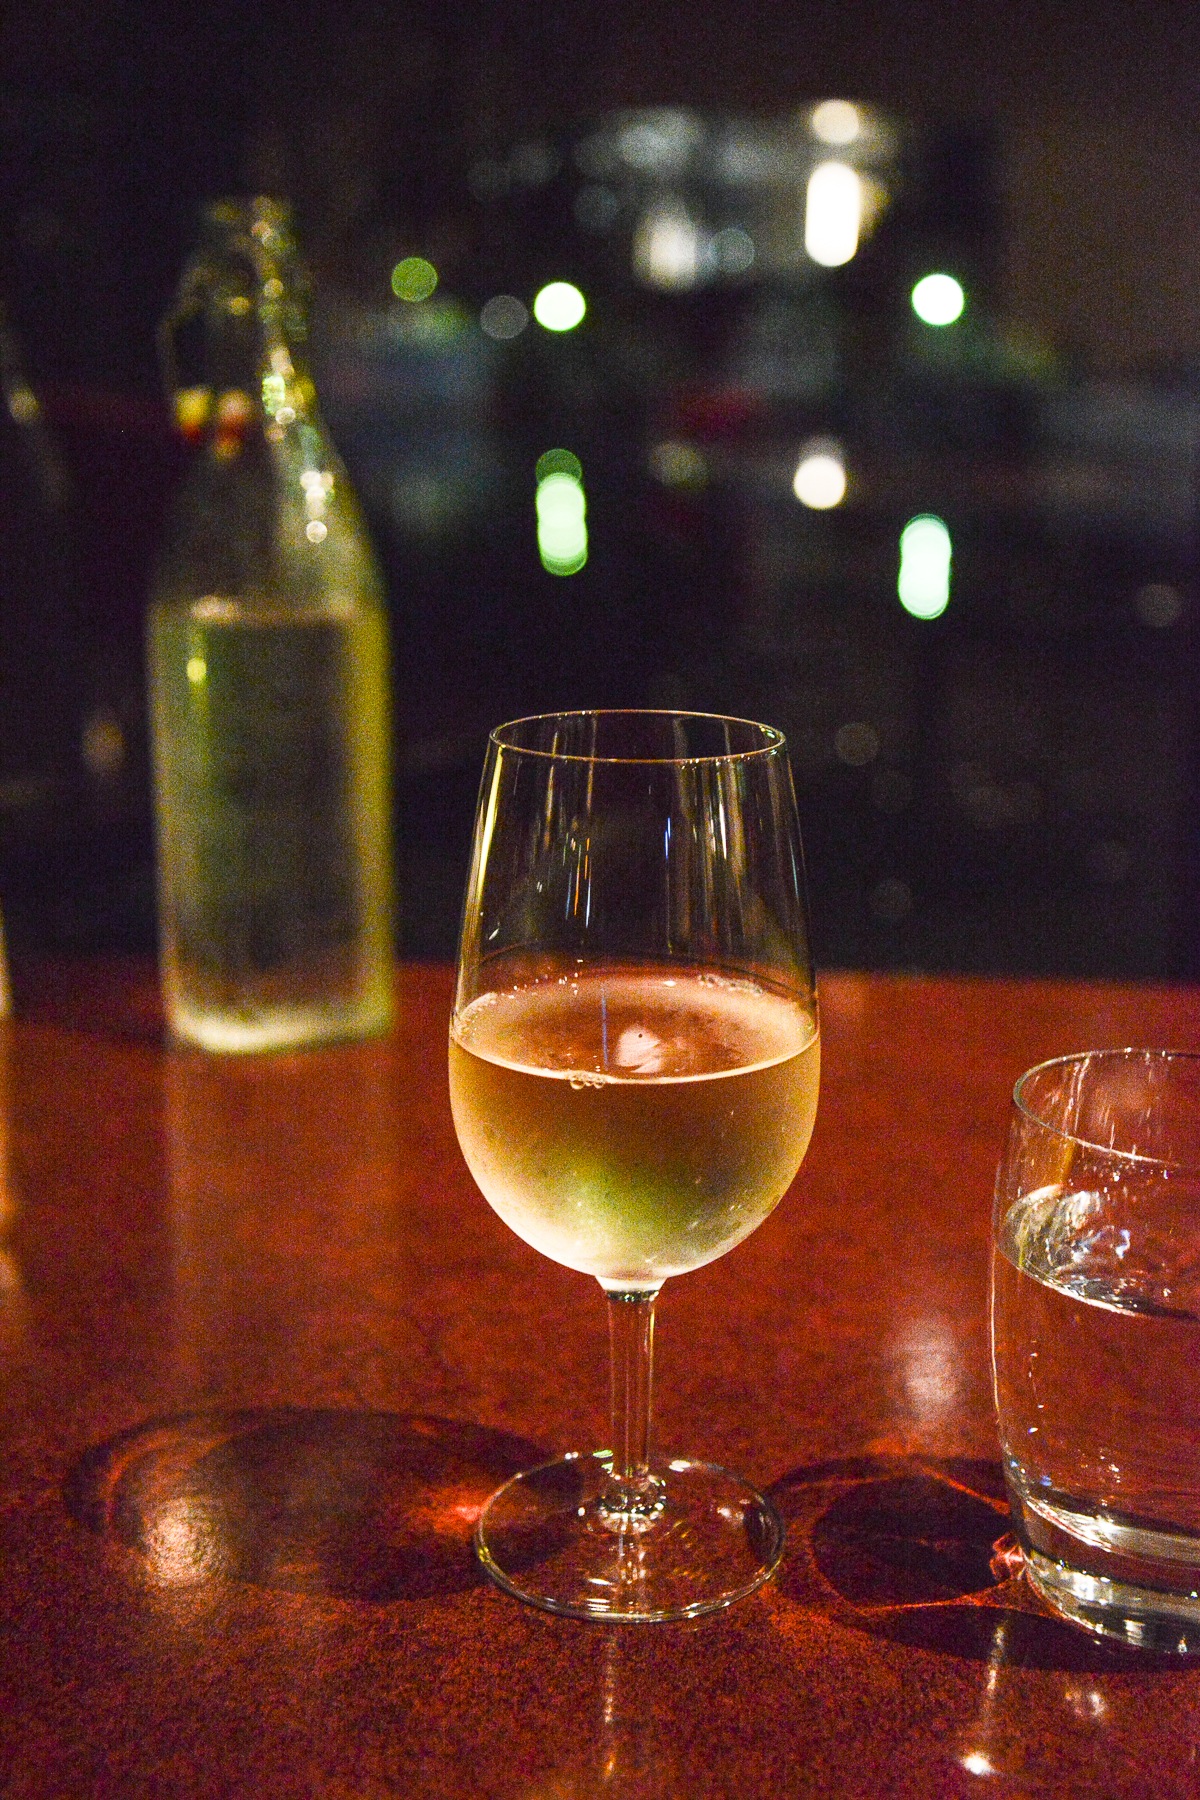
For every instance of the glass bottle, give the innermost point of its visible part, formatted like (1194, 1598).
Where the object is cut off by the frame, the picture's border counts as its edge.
(268, 674)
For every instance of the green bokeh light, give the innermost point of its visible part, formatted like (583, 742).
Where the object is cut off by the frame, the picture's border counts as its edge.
(938, 299)
(559, 462)
(559, 306)
(924, 580)
(414, 279)
(561, 520)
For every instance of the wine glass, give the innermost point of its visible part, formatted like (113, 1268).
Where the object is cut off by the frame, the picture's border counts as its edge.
(634, 1061)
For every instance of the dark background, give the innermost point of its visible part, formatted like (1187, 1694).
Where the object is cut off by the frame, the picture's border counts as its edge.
(1031, 797)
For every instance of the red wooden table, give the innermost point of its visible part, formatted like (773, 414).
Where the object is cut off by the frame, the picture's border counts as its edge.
(264, 1350)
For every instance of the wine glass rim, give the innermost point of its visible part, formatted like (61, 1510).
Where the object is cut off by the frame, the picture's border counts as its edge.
(1115, 1054)
(773, 740)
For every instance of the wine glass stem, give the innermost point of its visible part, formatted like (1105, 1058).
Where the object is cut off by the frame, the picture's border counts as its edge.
(632, 1495)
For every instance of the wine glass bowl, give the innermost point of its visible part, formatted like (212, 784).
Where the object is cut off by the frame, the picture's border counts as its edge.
(634, 1061)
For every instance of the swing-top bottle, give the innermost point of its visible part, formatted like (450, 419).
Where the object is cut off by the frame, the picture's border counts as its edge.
(268, 675)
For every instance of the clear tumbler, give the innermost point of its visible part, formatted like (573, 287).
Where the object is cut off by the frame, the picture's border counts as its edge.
(1096, 1339)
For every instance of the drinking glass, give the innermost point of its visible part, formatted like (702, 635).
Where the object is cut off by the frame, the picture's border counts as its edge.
(634, 1060)
(1096, 1339)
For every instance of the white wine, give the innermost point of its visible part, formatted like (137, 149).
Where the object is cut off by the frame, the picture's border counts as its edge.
(634, 1123)
(272, 784)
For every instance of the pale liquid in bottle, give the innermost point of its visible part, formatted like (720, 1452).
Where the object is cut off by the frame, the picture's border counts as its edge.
(275, 860)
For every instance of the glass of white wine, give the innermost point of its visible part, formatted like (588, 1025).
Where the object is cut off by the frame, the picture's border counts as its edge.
(634, 1062)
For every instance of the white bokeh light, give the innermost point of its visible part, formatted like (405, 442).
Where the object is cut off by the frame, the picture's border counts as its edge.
(820, 478)
(832, 214)
(836, 121)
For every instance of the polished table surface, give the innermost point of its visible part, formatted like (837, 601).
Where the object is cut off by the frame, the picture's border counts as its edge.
(264, 1350)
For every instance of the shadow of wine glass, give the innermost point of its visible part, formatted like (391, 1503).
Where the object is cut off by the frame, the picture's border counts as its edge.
(917, 1550)
(368, 1506)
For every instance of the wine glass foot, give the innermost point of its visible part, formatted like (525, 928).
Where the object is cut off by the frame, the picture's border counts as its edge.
(547, 1537)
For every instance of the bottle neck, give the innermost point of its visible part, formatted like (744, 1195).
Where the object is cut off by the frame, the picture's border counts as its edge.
(285, 388)
(232, 345)
(256, 381)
